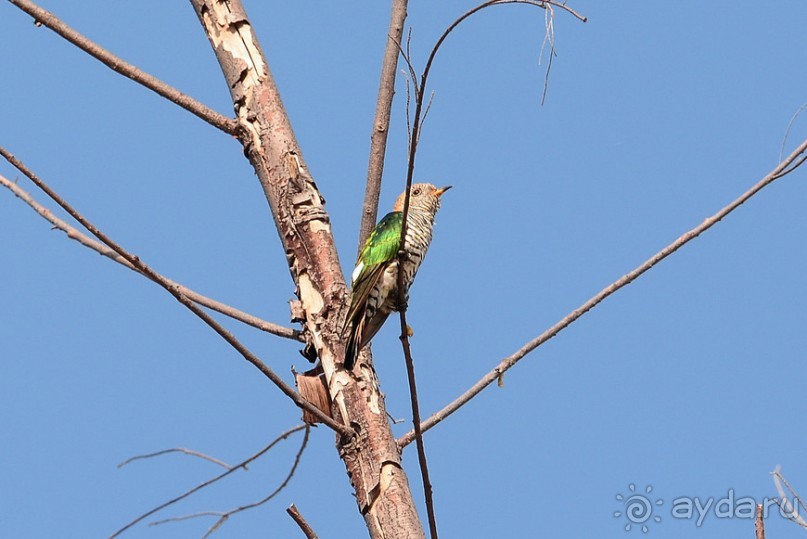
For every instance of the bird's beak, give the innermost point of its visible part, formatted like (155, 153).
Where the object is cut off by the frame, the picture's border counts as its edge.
(442, 190)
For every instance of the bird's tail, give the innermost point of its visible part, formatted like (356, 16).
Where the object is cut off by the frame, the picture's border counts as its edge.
(352, 345)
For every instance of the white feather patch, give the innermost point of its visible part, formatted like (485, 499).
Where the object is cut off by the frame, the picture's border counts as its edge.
(356, 272)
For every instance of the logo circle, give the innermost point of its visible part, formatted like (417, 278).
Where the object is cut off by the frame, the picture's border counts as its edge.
(638, 509)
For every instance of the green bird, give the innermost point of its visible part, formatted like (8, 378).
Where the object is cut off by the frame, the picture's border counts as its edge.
(375, 279)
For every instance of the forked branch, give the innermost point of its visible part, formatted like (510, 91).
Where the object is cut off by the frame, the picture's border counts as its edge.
(183, 299)
(73, 233)
(224, 516)
(241, 465)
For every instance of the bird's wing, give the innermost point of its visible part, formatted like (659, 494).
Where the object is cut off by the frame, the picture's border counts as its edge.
(380, 248)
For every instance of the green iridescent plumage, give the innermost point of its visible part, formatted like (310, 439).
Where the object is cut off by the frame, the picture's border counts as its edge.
(382, 245)
(375, 279)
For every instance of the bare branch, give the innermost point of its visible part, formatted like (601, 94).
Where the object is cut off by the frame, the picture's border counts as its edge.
(46, 18)
(543, 4)
(74, 234)
(378, 140)
(760, 522)
(420, 90)
(294, 513)
(413, 399)
(183, 299)
(183, 450)
(426, 111)
(197, 488)
(785, 167)
(789, 127)
(788, 508)
(549, 37)
(408, 103)
(225, 515)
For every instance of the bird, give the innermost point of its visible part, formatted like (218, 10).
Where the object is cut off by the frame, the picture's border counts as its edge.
(375, 278)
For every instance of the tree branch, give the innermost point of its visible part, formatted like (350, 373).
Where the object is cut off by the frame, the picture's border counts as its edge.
(790, 510)
(413, 399)
(74, 234)
(759, 522)
(274, 493)
(224, 516)
(42, 16)
(197, 488)
(183, 299)
(183, 450)
(793, 161)
(372, 458)
(378, 140)
(294, 513)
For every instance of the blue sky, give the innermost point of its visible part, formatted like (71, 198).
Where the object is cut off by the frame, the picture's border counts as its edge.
(657, 115)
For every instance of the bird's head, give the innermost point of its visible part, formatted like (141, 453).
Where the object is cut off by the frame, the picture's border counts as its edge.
(423, 197)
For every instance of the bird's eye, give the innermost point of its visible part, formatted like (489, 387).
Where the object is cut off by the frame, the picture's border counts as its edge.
(416, 191)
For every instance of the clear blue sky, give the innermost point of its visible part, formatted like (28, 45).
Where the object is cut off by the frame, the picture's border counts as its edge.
(689, 380)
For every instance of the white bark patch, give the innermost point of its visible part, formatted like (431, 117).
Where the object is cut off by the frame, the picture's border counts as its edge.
(312, 300)
(372, 402)
(319, 226)
(236, 37)
(249, 125)
(387, 476)
(337, 381)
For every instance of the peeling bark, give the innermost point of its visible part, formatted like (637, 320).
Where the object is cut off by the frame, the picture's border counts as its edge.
(372, 458)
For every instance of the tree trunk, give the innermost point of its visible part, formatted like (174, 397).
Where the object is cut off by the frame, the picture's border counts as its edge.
(372, 458)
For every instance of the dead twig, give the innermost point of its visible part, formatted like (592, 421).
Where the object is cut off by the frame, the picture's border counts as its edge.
(225, 515)
(74, 234)
(413, 399)
(197, 488)
(787, 508)
(46, 18)
(789, 128)
(182, 450)
(294, 513)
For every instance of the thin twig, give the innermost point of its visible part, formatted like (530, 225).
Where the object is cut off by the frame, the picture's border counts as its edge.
(183, 450)
(543, 4)
(378, 140)
(46, 18)
(786, 507)
(413, 398)
(294, 513)
(240, 465)
(794, 160)
(420, 88)
(408, 103)
(426, 112)
(74, 234)
(789, 127)
(549, 37)
(183, 299)
(225, 515)
(414, 138)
